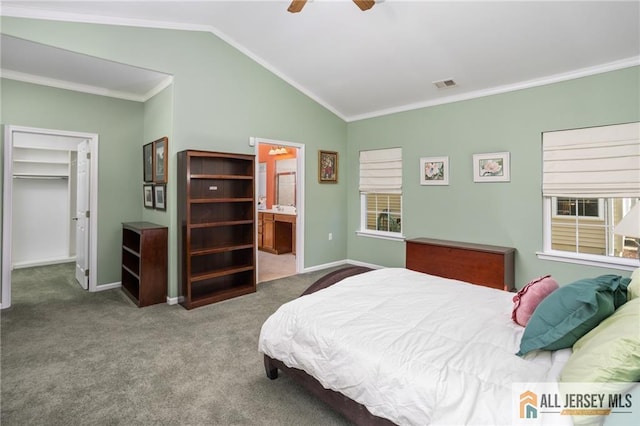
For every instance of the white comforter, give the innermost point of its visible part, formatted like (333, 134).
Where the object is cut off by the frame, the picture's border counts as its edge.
(413, 348)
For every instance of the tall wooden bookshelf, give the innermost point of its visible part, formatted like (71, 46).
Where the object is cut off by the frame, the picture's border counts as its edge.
(216, 218)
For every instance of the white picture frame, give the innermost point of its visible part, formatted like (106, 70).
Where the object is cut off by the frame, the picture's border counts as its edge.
(492, 167)
(434, 171)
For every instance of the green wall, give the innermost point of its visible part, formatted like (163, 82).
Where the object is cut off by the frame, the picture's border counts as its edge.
(220, 99)
(507, 214)
(158, 122)
(119, 126)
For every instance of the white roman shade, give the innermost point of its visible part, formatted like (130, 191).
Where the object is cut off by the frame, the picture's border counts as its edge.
(381, 171)
(596, 162)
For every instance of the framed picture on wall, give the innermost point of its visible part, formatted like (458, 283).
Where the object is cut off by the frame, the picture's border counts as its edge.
(160, 155)
(159, 197)
(434, 171)
(327, 167)
(147, 194)
(147, 160)
(491, 167)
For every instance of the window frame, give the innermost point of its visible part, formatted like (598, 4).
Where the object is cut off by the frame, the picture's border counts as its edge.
(548, 253)
(564, 216)
(387, 235)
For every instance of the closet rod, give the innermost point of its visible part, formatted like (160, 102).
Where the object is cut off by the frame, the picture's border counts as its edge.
(39, 177)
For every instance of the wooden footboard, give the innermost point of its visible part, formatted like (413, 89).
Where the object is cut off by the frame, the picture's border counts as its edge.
(354, 412)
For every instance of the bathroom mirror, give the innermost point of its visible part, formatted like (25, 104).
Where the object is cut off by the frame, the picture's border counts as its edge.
(286, 189)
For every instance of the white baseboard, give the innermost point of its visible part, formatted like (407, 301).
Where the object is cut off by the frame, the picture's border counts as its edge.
(174, 300)
(110, 286)
(43, 262)
(340, 263)
(368, 265)
(324, 266)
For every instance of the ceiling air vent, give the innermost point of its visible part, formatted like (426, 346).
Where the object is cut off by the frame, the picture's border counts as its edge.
(445, 84)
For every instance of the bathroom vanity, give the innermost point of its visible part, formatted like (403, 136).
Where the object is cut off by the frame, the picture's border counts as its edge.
(277, 231)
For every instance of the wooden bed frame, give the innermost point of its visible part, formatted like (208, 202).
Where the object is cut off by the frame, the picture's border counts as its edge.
(353, 411)
(466, 254)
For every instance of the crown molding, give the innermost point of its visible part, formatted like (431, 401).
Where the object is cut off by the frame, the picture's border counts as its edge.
(557, 78)
(24, 12)
(93, 90)
(29, 13)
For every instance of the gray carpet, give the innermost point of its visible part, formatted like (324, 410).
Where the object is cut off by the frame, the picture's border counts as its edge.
(69, 357)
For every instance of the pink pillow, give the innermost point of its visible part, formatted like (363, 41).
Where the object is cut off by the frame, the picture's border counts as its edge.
(529, 296)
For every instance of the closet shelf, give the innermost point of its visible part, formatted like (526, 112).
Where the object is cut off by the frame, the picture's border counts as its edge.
(37, 176)
(64, 162)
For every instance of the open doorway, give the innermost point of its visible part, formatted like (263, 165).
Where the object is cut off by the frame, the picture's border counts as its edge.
(42, 224)
(280, 196)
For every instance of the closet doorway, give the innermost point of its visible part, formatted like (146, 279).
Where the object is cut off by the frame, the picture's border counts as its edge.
(280, 208)
(50, 203)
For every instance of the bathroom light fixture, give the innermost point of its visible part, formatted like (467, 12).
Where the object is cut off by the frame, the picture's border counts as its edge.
(278, 150)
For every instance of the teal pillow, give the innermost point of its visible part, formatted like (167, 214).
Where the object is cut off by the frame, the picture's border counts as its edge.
(572, 311)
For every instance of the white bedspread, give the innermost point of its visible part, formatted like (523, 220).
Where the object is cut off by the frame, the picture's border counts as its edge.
(413, 348)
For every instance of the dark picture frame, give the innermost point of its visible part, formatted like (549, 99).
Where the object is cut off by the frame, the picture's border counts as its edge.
(160, 157)
(147, 161)
(160, 196)
(327, 166)
(148, 196)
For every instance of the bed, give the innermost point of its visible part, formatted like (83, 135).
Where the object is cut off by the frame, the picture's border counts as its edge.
(399, 346)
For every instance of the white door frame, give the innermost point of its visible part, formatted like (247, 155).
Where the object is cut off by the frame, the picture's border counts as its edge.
(299, 193)
(7, 197)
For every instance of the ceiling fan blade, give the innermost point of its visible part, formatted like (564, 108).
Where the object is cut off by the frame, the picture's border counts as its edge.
(296, 6)
(364, 4)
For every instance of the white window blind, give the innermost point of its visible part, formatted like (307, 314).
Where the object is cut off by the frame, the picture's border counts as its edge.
(381, 171)
(596, 162)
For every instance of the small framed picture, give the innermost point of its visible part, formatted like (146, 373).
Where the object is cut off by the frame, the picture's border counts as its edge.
(147, 159)
(160, 155)
(434, 171)
(492, 167)
(147, 193)
(327, 167)
(159, 196)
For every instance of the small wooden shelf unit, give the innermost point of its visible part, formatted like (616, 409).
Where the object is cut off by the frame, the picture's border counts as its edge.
(486, 265)
(144, 262)
(216, 218)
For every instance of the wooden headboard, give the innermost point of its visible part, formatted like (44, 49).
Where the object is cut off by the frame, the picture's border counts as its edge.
(490, 266)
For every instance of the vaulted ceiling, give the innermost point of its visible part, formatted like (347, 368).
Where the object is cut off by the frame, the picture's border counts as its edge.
(367, 63)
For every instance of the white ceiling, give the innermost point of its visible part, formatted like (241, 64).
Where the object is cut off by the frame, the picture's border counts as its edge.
(364, 64)
(38, 63)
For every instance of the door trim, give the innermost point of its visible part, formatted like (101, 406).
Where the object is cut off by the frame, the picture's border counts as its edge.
(7, 197)
(300, 184)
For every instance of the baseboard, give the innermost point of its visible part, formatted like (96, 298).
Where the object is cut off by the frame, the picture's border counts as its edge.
(110, 286)
(368, 265)
(340, 263)
(325, 266)
(44, 262)
(174, 300)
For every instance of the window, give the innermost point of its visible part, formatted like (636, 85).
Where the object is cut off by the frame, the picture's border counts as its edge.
(591, 182)
(381, 193)
(585, 231)
(581, 207)
(383, 212)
